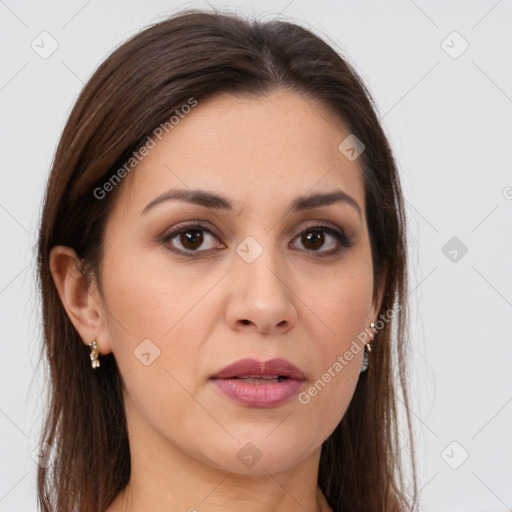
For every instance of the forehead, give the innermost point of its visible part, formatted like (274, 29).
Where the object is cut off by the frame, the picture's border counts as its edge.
(252, 148)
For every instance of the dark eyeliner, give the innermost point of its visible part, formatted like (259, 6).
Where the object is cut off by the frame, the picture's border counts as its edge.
(343, 241)
(196, 225)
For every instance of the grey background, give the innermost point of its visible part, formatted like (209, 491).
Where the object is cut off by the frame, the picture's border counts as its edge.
(449, 119)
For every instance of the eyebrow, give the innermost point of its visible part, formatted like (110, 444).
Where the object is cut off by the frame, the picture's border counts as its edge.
(217, 202)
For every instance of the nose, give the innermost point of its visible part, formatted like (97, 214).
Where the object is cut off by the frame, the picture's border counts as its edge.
(262, 296)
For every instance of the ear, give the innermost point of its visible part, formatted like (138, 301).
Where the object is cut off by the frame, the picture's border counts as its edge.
(80, 297)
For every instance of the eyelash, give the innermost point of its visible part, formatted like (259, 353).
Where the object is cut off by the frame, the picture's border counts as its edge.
(343, 241)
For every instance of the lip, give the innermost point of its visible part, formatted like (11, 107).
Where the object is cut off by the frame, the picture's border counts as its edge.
(263, 394)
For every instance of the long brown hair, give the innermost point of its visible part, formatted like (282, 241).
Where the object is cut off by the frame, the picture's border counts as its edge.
(195, 54)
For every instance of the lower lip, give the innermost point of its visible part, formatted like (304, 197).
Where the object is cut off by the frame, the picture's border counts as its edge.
(259, 395)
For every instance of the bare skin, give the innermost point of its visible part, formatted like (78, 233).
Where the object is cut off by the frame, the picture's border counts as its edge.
(206, 311)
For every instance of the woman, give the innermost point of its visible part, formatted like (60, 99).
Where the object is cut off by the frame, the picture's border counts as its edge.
(222, 244)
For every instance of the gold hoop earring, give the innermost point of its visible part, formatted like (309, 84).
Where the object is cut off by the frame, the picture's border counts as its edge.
(95, 352)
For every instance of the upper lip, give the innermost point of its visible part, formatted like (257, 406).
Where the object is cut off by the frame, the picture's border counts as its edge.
(253, 367)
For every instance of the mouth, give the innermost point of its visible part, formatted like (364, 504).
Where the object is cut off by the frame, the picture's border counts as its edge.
(261, 379)
(255, 383)
(260, 370)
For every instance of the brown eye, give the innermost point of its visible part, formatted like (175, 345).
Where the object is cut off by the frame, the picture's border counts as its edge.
(315, 238)
(191, 239)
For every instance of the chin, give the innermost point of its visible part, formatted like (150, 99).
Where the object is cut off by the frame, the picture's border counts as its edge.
(260, 454)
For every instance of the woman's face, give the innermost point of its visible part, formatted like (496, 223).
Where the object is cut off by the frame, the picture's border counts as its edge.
(258, 280)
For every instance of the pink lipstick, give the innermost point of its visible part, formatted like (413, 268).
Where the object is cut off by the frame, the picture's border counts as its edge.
(260, 384)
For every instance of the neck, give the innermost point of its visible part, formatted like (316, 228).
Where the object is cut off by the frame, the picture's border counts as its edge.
(231, 492)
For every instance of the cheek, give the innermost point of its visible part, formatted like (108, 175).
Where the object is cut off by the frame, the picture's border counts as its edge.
(154, 321)
(339, 314)
(150, 298)
(157, 316)
(343, 304)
